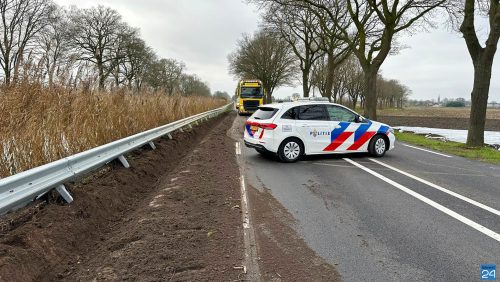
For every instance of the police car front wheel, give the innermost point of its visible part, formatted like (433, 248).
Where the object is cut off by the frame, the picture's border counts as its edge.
(378, 146)
(290, 150)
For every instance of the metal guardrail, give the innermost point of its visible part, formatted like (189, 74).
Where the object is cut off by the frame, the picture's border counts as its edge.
(20, 189)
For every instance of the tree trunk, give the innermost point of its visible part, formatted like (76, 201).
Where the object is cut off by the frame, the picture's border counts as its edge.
(100, 68)
(370, 82)
(305, 83)
(117, 77)
(7, 77)
(268, 97)
(482, 58)
(479, 98)
(101, 82)
(329, 75)
(52, 71)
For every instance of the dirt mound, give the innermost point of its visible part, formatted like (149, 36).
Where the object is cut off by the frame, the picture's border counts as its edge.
(159, 220)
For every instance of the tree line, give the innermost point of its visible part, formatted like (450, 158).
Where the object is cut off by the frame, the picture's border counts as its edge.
(348, 87)
(317, 38)
(90, 48)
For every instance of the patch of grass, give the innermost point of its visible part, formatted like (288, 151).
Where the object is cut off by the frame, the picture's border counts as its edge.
(486, 154)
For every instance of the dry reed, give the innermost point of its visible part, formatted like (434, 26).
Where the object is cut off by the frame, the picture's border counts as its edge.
(38, 125)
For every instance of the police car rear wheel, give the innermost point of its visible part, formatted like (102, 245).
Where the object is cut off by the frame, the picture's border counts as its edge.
(378, 146)
(290, 150)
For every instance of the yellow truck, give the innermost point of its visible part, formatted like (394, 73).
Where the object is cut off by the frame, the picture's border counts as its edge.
(249, 96)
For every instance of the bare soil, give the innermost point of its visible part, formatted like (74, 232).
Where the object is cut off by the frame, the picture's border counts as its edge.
(173, 216)
(284, 256)
(436, 122)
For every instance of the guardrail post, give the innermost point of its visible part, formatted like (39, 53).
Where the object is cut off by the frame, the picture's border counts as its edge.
(181, 130)
(152, 145)
(170, 136)
(124, 162)
(61, 189)
(190, 126)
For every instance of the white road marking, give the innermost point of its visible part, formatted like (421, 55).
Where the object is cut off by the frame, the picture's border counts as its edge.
(238, 148)
(456, 195)
(244, 203)
(419, 171)
(334, 165)
(428, 151)
(488, 232)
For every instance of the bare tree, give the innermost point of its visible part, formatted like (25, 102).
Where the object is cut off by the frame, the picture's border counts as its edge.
(374, 27)
(171, 73)
(53, 43)
(95, 33)
(312, 35)
(340, 80)
(41, 42)
(138, 58)
(354, 85)
(20, 22)
(391, 93)
(166, 74)
(319, 77)
(464, 12)
(192, 85)
(299, 27)
(120, 50)
(331, 84)
(222, 95)
(336, 49)
(265, 57)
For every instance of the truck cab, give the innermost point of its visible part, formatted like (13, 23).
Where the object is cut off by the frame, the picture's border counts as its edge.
(249, 96)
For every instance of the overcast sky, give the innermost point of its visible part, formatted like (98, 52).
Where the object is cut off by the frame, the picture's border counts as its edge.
(203, 32)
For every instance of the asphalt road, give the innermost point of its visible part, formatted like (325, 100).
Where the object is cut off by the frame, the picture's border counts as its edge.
(436, 219)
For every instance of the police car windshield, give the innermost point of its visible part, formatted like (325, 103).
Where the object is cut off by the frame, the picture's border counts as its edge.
(251, 92)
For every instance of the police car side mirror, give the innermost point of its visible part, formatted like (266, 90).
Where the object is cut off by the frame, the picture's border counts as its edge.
(358, 119)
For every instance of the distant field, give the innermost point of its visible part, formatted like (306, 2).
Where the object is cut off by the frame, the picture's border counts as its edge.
(437, 112)
(450, 118)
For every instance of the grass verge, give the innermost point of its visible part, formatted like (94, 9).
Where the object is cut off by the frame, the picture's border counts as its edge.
(485, 154)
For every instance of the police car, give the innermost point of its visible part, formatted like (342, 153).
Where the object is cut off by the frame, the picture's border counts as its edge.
(294, 129)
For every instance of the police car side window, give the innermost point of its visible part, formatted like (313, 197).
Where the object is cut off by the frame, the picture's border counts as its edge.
(340, 114)
(290, 114)
(313, 112)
